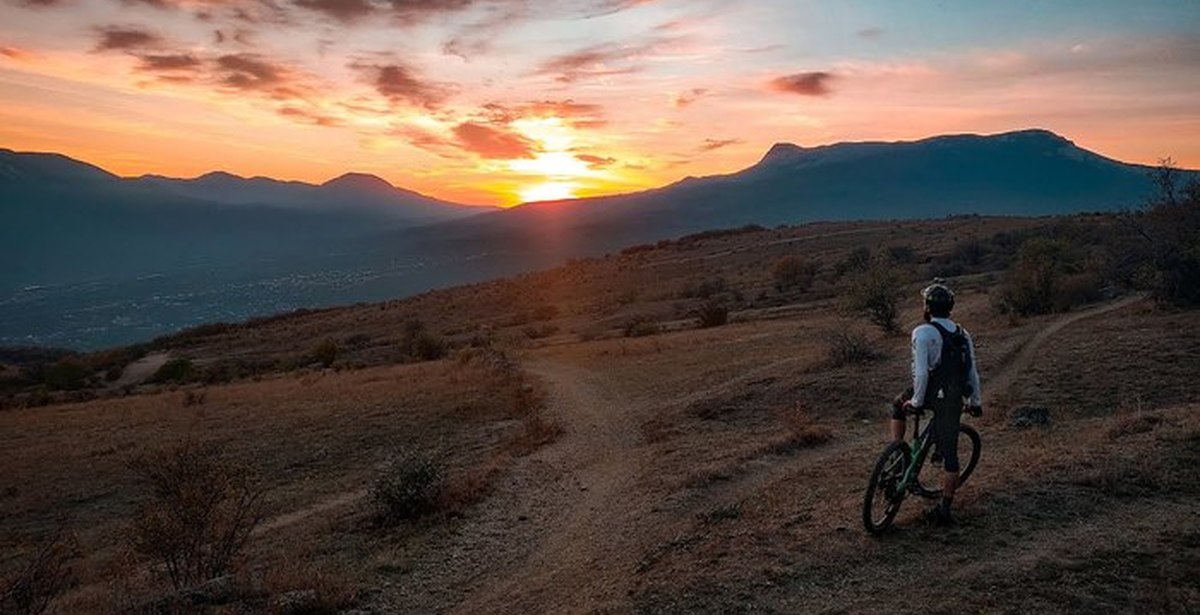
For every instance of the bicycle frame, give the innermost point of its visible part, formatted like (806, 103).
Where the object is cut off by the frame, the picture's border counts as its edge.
(921, 443)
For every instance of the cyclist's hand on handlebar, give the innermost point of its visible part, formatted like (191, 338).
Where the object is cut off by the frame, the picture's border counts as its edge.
(974, 410)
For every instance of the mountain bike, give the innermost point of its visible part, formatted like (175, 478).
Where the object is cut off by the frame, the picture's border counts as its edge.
(898, 472)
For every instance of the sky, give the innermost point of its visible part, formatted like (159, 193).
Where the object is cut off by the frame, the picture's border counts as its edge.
(497, 102)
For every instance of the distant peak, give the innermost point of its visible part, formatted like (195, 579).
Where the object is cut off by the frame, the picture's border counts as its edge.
(219, 175)
(1034, 134)
(782, 151)
(359, 181)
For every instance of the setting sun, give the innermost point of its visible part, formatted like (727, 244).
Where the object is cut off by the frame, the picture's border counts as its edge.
(548, 191)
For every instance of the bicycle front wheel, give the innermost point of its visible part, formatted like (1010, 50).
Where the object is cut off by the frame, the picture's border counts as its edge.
(884, 493)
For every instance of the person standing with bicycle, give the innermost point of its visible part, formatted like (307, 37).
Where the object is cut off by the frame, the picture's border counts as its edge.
(945, 377)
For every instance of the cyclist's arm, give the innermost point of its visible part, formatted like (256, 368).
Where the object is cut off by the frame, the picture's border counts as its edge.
(920, 366)
(976, 391)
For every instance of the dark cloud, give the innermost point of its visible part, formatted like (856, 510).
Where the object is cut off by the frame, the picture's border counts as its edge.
(247, 71)
(40, 4)
(870, 33)
(16, 53)
(815, 83)
(114, 38)
(689, 97)
(578, 115)
(308, 117)
(596, 162)
(342, 10)
(591, 62)
(168, 62)
(714, 144)
(493, 142)
(399, 83)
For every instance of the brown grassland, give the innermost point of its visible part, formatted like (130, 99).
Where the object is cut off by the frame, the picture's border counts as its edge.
(602, 452)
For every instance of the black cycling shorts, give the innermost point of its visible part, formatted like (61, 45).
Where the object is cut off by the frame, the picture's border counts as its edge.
(946, 420)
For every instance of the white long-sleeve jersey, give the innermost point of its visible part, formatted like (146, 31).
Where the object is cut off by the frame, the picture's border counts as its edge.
(927, 354)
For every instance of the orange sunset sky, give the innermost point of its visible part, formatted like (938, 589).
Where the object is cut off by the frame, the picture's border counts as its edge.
(503, 101)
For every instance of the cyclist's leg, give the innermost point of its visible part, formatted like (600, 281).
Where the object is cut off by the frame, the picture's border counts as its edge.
(947, 417)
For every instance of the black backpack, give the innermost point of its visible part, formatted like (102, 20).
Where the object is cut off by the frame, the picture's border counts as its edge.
(952, 376)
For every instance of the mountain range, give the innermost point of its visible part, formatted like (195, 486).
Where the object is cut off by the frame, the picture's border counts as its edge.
(100, 259)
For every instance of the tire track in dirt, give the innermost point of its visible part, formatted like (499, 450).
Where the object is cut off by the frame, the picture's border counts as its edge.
(1000, 383)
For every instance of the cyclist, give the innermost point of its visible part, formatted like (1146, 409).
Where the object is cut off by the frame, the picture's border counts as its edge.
(941, 386)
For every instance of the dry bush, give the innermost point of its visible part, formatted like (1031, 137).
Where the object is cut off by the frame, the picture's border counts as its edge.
(712, 314)
(803, 430)
(409, 486)
(176, 370)
(640, 326)
(197, 512)
(537, 431)
(194, 398)
(876, 293)
(1138, 422)
(794, 273)
(537, 332)
(323, 591)
(466, 488)
(325, 352)
(852, 348)
(43, 578)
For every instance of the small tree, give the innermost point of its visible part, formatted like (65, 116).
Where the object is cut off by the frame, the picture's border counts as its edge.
(325, 352)
(794, 273)
(44, 577)
(197, 512)
(712, 314)
(876, 293)
(409, 486)
(175, 370)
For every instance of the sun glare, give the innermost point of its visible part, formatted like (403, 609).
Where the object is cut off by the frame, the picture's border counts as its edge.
(549, 191)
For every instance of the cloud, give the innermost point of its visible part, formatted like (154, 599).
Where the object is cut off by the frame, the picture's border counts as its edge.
(715, 144)
(119, 37)
(870, 33)
(577, 115)
(16, 53)
(596, 162)
(399, 83)
(591, 62)
(341, 10)
(168, 62)
(686, 98)
(39, 4)
(247, 71)
(492, 142)
(308, 117)
(815, 83)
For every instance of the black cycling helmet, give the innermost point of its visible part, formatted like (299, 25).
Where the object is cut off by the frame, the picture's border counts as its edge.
(938, 297)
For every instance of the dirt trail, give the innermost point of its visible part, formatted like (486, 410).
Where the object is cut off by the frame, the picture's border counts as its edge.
(141, 370)
(998, 384)
(598, 525)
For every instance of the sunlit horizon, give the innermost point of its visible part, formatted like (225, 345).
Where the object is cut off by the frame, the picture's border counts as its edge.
(496, 102)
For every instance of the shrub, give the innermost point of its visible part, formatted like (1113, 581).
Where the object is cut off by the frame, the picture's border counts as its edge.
(849, 348)
(803, 431)
(706, 289)
(712, 314)
(857, 261)
(1172, 229)
(877, 294)
(535, 332)
(67, 374)
(325, 352)
(1048, 276)
(197, 512)
(409, 487)
(794, 273)
(43, 578)
(640, 326)
(428, 347)
(175, 370)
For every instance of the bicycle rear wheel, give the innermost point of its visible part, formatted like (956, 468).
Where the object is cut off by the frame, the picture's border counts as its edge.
(968, 452)
(882, 500)
(931, 474)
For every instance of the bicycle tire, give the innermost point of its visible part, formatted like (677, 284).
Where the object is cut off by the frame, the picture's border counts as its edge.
(890, 467)
(973, 458)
